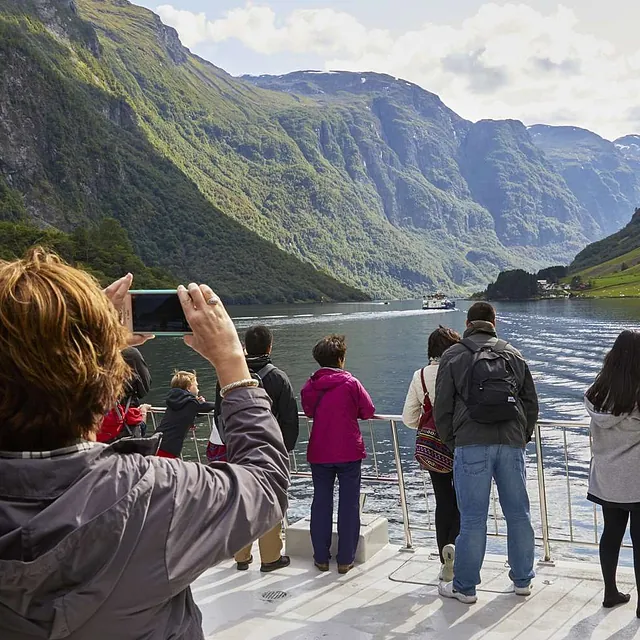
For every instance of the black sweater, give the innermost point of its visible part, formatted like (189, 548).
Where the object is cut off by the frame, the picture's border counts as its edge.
(182, 409)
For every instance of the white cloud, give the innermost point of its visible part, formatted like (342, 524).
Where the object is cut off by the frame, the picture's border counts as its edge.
(506, 61)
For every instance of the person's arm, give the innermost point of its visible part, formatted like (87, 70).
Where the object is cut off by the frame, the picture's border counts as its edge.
(366, 408)
(219, 509)
(286, 408)
(413, 402)
(444, 405)
(206, 407)
(309, 399)
(529, 399)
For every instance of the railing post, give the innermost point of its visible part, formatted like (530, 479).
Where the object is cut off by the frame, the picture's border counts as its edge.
(403, 492)
(543, 496)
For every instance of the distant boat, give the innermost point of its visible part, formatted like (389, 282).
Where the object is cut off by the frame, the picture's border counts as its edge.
(437, 301)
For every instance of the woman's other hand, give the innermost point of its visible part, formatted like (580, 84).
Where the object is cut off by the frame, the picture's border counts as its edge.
(117, 292)
(214, 334)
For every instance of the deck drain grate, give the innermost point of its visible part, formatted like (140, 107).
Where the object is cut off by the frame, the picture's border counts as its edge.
(273, 596)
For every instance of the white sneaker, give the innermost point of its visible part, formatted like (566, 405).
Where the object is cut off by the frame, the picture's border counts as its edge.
(446, 590)
(523, 591)
(449, 555)
(441, 574)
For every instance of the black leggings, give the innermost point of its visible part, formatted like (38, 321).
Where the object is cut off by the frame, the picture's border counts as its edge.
(447, 514)
(615, 525)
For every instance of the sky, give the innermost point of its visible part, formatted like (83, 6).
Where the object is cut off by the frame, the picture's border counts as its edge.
(571, 63)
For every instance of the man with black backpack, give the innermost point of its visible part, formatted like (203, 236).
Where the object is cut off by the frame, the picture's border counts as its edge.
(258, 342)
(486, 409)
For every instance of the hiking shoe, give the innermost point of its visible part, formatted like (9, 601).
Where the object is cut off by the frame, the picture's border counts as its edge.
(321, 566)
(449, 555)
(446, 590)
(345, 568)
(243, 566)
(283, 562)
(523, 591)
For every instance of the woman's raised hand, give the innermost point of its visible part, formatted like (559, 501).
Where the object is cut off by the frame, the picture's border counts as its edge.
(214, 334)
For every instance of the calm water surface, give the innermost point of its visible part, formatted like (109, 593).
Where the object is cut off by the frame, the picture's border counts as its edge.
(563, 341)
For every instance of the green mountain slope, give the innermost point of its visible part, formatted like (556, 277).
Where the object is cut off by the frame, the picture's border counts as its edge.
(612, 265)
(257, 184)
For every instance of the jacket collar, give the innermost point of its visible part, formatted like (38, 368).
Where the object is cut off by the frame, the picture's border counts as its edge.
(480, 326)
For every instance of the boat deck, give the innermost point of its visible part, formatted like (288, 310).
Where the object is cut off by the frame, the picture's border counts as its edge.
(395, 595)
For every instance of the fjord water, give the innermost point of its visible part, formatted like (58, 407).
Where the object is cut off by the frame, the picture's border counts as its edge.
(564, 342)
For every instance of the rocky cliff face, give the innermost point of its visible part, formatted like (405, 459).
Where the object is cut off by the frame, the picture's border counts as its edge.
(367, 177)
(598, 172)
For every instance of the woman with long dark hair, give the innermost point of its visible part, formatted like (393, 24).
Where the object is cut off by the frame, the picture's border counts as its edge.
(435, 458)
(613, 402)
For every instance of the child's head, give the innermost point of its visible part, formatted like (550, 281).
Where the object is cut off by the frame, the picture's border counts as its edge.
(331, 351)
(186, 380)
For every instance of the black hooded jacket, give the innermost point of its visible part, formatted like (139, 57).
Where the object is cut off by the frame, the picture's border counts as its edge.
(283, 401)
(182, 409)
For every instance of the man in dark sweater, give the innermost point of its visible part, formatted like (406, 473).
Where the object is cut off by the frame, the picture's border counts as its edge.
(258, 342)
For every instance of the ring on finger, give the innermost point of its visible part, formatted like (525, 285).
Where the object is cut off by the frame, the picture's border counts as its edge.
(213, 300)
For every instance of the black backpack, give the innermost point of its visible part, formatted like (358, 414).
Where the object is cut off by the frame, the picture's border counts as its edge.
(492, 386)
(259, 376)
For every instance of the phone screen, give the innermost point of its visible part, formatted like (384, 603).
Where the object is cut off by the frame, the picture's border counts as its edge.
(157, 313)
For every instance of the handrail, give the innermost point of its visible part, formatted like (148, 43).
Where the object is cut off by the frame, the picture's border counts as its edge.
(577, 426)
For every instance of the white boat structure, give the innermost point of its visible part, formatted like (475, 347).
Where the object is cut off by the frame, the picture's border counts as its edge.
(437, 301)
(392, 594)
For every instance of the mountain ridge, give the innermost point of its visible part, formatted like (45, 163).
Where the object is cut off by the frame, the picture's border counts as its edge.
(386, 189)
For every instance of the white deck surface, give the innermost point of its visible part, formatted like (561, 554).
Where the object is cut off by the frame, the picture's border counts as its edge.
(395, 596)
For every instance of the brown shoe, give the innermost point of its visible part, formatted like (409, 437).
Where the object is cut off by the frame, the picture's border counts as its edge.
(321, 566)
(345, 568)
(283, 562)
(243, 566)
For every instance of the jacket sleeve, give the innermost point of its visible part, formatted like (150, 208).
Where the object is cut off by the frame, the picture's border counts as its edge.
(444, 404)
(219, 509)
(217, 407)
(529, 398)
(286, 409)
(366, 408)
(206, 407)
(308, 398)
(413, 403)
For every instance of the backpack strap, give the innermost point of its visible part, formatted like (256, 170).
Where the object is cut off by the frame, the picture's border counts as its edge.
(424, 384)
(471, 345)
(265, 371)
(500, 346)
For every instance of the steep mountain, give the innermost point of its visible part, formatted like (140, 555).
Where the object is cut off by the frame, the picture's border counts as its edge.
(76, 147)
(599, 173)
(268, 187)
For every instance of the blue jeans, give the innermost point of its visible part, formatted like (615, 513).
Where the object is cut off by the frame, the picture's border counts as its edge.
(324, 478)
(473, 469)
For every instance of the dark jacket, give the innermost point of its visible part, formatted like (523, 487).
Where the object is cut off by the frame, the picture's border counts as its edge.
(101, 545)
(283, 400)
(180, 414)
(451, 415)
(139, 385)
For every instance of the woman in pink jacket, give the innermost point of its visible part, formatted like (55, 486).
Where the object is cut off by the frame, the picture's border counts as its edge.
(335, 400)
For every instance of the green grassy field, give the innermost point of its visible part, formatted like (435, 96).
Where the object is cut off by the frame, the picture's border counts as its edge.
(610, 280)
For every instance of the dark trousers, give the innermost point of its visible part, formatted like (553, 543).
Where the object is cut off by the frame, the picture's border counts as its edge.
(615, 525)
(324, 477)
(447, 514)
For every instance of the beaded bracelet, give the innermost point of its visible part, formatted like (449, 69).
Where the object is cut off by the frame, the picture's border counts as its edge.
(246, 382)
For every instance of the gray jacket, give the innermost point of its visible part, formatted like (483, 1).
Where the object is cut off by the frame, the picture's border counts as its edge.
(615, 462)
(98, 545)
(451, 415)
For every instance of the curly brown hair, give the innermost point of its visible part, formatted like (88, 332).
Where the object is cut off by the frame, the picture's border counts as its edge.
(61, 366)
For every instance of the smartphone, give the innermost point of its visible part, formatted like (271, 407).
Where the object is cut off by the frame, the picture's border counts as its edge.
(158, 312)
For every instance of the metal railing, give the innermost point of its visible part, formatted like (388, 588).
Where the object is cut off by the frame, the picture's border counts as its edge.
(562, 452)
